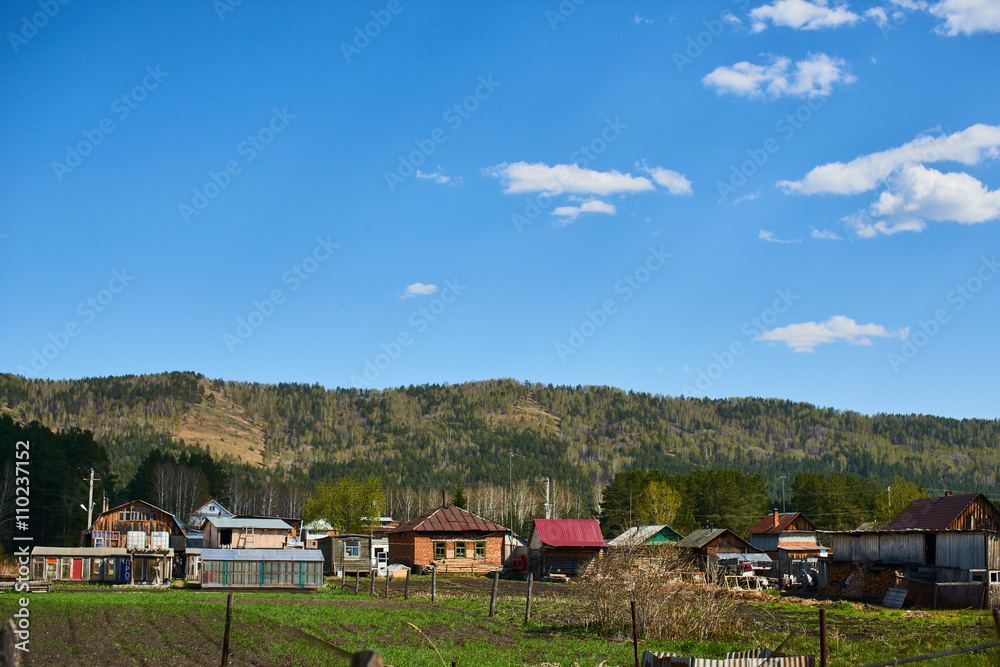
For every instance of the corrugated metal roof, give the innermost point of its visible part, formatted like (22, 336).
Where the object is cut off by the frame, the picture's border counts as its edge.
(82, 552)
(262, 554)
(643, 534)
(448, 519)
(932, 513)
(755, 658)
(263, 524)
(569, 532)
(766, 525)
(701, 537)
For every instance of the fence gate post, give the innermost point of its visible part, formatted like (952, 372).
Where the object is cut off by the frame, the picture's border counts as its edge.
(635, 634)
(225, 637)
(406, 588)
(387, 583)
(357, 581)
(371, 582)
(822, 638)
(527, 604)
(434, 583)
(493, 593)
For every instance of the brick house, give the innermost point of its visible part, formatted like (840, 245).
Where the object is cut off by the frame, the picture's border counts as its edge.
(450, 539)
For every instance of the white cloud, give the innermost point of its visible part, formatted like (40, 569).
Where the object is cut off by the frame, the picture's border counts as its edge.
(589, 206)
(967, 17)
(731, 18)
(806, 336)
(918, 192)
(674, 182)
(521, 177)
(439, 177)
(968, 146)
(749, 197)
(811, 77)
(826, 234)
(765, 235)
(418, 289)
(802, 15)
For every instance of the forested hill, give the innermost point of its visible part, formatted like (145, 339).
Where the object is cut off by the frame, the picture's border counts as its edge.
(434, 435)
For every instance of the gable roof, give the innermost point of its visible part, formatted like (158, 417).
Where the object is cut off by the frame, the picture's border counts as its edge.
(181, 526)
(448, 519)
(645, 535)
(699, 539)
(212, 501)
(766, 525)
(934, 513)
(569, 532)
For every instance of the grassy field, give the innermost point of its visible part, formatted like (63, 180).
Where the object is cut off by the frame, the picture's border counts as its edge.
(185, 627)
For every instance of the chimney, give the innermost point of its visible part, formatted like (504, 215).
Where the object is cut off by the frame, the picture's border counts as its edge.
(776, 521)
(947, 493)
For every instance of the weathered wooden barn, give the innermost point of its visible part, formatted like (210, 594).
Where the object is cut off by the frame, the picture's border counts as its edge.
(449, 538)
(243, 533)
(564, 546)
(110, 565)
(947, 540)
(261, 568)
(787, 537)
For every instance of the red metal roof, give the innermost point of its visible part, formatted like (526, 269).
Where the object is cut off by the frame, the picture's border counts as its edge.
(569, 532)
(932, 513)
(448, 519)
(767, 527)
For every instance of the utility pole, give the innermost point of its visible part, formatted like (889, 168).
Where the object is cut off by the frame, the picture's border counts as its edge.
(90, 498)
(548, 505)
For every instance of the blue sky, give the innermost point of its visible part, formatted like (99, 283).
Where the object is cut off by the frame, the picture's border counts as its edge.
(790, 199)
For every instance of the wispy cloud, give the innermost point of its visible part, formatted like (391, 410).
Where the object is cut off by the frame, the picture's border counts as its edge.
(522, 177)
(438, 177)
(967, 17)
(639, 20)
(814, 76)
(825, 234)
(768, 236)
(804, 337)
(418, 289)
(675, 183)
(802, 15)
(570, 213)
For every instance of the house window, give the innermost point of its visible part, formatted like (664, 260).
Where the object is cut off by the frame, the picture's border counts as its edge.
(439, 551)
(38, 568)
(995, 577)
(352, 549)
(121, 516)
(480, 549)
(459, 549)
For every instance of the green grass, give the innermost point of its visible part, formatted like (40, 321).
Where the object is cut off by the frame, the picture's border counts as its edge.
(185, 627)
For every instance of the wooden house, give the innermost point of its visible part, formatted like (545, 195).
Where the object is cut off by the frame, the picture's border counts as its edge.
(969, 511)
(647, 536)
(110, 565)
(258, 569)
(787, 537)
(564, 546)
(448, 538)
(240, 533)
(210, 507)
(136, 525)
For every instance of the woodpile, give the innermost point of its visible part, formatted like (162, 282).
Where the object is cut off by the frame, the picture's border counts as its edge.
(851, 581)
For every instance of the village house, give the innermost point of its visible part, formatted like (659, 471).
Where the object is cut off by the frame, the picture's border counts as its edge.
(787, 537)
(240, 533)
(944, 549)
(210, 507)
(136, 525)
(564, 546)
(109, 565)
(347, 554)
(448, 538)
(712, 548)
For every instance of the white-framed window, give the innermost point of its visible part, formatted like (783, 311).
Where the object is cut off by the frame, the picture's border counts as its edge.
(352, 549)
(995, 576)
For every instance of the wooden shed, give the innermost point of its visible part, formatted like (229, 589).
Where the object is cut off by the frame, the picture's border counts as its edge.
(346, 554)
(449, 538)
(653, 535)
(564, 546)
(261, 568)
(242, 533)
(110, 565)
